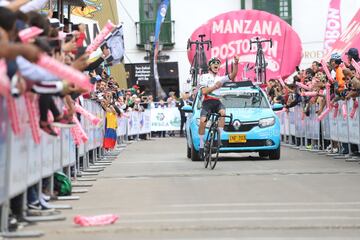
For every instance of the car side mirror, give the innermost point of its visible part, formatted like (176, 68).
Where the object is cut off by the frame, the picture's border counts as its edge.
(187, 109)
(277, 107)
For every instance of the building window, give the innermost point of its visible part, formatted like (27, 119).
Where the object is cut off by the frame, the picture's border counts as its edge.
(281, 8)
(146, 27)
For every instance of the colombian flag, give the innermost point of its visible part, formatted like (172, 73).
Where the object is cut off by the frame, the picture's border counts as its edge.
(110, 131)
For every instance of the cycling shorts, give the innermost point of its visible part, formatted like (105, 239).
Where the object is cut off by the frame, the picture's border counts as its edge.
(211, 106)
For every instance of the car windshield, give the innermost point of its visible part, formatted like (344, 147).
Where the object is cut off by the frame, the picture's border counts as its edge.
(245, 100)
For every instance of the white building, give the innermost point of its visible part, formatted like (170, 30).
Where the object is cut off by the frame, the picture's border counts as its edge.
(307, 17)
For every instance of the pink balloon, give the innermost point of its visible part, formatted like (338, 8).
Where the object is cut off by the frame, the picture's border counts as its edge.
(323, 114)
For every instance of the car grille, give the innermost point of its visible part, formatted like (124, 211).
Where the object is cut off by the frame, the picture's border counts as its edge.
(249, 143)
(244, 127)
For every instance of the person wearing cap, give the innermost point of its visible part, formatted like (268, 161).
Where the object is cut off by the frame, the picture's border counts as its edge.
(352, 53)
(335, 62)
(209, 85)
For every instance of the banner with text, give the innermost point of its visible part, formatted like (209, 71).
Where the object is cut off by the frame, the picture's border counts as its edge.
(165, 119)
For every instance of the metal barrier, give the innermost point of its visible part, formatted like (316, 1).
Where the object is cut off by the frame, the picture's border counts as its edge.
(25, 164)
(333, 129)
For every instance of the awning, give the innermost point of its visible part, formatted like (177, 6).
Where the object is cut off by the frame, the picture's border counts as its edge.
(77, 3)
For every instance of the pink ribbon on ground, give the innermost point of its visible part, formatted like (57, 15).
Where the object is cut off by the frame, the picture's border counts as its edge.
(95, 220)
(355, 65)
(344, 110)
(327, 72)
(33, 117)
(88, 115)
(99, 39)
(65, 72)
(306, 87)
(323, 114)
(309, 94)
(354, 108)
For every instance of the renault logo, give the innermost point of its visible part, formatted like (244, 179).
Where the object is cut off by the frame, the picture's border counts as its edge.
(237, 124)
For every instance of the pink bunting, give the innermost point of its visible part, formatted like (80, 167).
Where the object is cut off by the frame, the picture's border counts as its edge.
(355, 65)
(65, 72)
(324, 65)
(99, 39)
(336, 110)
(33, 117)
(299, 84)
(88, 115)
(81, 134)
(344, 110)
(309, 94)
(328, 101)
(355, 107)
(323, 114)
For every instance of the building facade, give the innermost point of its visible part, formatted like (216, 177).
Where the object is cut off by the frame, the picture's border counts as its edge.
(307, 17)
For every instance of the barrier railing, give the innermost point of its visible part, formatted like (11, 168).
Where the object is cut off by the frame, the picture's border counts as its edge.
(26, 165)
(337, 127)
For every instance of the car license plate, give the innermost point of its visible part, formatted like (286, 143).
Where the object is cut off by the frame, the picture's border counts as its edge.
(237, 138)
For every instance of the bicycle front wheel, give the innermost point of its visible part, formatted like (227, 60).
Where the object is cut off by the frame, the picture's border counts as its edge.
(214, 146)
(207, 151)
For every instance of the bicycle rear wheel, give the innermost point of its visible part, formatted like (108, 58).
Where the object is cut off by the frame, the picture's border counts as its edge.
(214, 146)
(207, 152)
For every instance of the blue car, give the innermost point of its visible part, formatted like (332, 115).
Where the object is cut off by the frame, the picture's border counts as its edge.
(255, 126)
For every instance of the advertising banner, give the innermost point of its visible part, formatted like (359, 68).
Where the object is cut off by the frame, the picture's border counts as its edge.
(231, 33)
(165, 119)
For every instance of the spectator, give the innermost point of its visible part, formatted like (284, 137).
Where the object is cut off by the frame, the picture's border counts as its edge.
(184, 101)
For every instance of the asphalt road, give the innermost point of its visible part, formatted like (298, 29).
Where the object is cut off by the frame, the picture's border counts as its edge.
(160, 194)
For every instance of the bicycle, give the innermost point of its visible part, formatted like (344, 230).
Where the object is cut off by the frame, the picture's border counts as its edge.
(260, 63)
(213, 141)
(199, 63)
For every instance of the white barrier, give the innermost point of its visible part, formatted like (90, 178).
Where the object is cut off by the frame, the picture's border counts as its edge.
(4, 128)
(165, 119)
(339, 129)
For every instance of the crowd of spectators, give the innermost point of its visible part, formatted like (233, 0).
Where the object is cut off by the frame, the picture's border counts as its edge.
(313, 87)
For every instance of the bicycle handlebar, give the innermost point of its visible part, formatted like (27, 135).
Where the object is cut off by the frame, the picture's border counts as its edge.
(258, 42)
(217, 116)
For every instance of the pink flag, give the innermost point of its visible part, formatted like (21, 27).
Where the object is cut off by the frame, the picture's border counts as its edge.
(349, 38)
(109, 26)
(333, 25)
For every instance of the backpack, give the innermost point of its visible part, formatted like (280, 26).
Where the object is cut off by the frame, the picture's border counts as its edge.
(62, 184)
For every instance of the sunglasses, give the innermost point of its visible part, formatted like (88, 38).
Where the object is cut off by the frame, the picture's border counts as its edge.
(215, 62)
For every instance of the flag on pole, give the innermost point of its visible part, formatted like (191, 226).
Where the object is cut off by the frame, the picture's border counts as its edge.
(333, 25)
(159, 20)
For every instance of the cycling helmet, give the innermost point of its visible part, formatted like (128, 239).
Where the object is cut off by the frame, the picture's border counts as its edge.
(213, 60)
(336, 57)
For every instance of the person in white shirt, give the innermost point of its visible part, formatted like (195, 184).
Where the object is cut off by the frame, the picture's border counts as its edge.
(209, 86)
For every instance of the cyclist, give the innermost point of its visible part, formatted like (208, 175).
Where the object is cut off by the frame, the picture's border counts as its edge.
(209, 85)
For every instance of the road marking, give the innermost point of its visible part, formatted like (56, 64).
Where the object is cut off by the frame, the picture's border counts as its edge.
(142, 162)
(263, 204)
(228, 219)
(346, 210)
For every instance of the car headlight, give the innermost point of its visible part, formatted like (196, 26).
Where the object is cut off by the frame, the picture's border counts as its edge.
(266, 122)
(208, 123)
